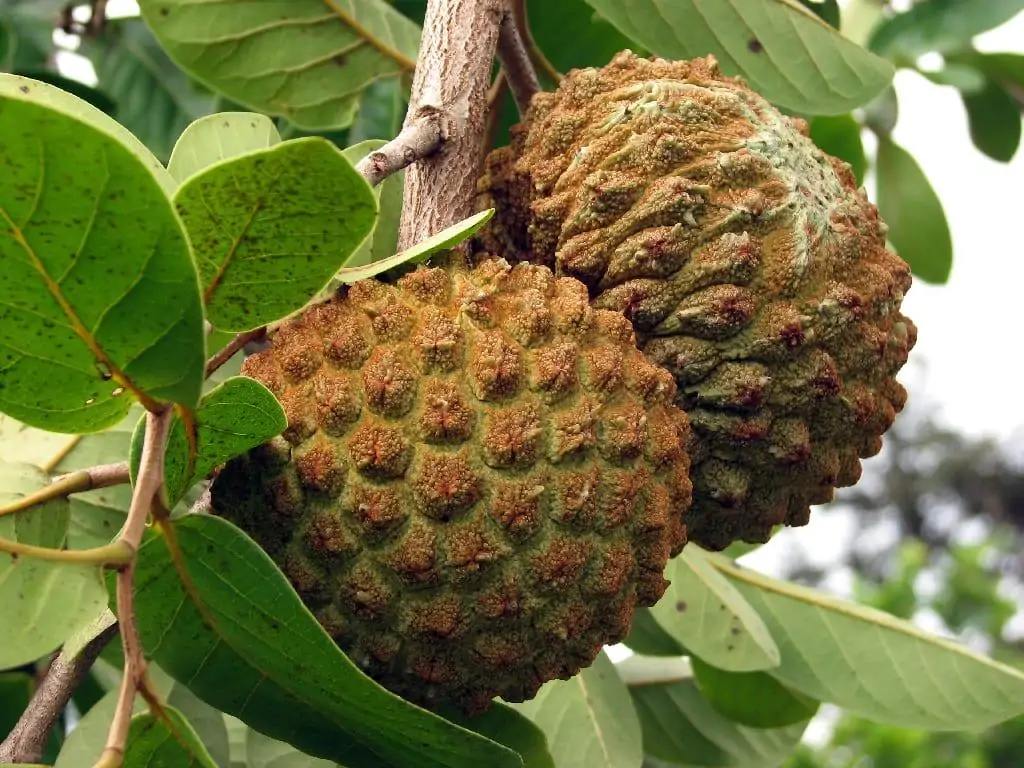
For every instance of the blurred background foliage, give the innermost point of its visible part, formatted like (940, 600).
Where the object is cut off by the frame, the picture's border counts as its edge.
(939, 515)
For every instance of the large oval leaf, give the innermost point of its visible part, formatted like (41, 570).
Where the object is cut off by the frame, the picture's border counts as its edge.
(99, 303)
(231, 418)
(588, 720)
(702, 611)
(218, 137)
(306, 60)
(995, 121)
(97, 516)
(783, 50)
(170, 743)
(271, 227)
(940, 25)
(875, 665)
(681, 728)
(752, 698)
(43, 602)
(254, 651)
(155, 100)
(909, 205)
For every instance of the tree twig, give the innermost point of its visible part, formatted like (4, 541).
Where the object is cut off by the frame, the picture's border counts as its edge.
(537, 56)
(417, 140)
(515, 60)
(452, 78)
(102, 476)
(25, 743)
(228, 350)
(146, 496)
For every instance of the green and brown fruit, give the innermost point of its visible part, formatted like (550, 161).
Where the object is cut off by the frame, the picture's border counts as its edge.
(481, 478)
(748, 262)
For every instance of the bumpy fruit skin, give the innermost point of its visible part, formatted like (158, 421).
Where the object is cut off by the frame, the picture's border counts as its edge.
(481, 478)
(748, 262)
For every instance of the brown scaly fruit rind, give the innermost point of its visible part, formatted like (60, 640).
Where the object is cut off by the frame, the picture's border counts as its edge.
(751, 267)
(481, 478)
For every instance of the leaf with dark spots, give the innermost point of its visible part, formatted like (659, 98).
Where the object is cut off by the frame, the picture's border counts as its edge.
(783, 50)
(269, 228)
(235, 416)
(307, 60)
(99, 304)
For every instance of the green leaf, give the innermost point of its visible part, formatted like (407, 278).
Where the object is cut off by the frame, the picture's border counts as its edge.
(155, 99)
(384, 240)
(43, 602)
(153, 741)
(826, 10)
(1006, 68)
(30, 33)
(217, 137)
(839, 136)
(703, 612)
(503, 724)
(306, 60)
(264, 752)
(784, 51)
(908, 204)
(264, 659)
(15, 694)
(271, 227)
(97, 516)
(647, 636)
(995, 121)
(7, 43)
(593, 42)
(587, 719)
(940, 25)
(680, 727)
(99, 303)
(444, 240)
(206, 721)
(87, 633)
(233, 417)
(752, 698)
(875, 665)
(960, 76)
(22, 443)
(381, 112)
(94, 96)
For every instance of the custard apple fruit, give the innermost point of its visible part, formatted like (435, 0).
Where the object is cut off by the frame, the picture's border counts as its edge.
(749, 263)
(481, 478)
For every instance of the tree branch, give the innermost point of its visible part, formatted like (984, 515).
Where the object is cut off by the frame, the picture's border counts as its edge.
(229, 349)
(102, 476)
(451, 81)
(146, 498)
(417, 140)
(25, 743)
(515, 60)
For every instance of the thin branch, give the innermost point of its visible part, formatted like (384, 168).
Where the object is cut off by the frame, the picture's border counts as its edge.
(116, 554)
(515, 60)
(495, 101)
(540, 61)
(232, 347)
(452, 77)
(417, 140)
(146, 498)
(26, 741)
(102, 476)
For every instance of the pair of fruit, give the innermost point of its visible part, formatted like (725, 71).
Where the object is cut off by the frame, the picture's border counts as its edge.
(487, 468)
